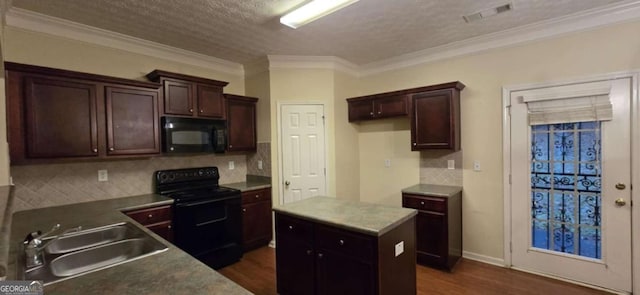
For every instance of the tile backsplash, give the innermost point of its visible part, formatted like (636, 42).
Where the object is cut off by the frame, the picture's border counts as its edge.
(263, 154)
(47, 185)
(433, 168)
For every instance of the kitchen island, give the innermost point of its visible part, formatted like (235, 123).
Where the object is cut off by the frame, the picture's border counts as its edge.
(170, 272)
(326, 245)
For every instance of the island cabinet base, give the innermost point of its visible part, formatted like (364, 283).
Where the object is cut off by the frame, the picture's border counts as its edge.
(315, 258)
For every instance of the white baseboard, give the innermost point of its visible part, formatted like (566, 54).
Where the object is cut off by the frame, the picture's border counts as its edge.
(483, 258)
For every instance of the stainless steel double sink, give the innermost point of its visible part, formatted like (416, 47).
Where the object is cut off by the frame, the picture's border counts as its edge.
(85, 251)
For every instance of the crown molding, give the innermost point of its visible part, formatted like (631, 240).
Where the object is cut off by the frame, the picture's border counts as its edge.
(28, 20)
(590, 19)
(313, 62)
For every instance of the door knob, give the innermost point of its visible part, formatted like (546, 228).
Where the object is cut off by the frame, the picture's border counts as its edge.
(287, 183)
(620, 202)
(620, 186)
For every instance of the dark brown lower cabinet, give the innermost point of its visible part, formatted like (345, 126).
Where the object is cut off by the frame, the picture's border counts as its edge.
(315, 258)
(157, 219)
(438, 229)
(256, 218)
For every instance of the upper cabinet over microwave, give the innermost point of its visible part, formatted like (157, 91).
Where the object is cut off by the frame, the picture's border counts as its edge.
(190, 96)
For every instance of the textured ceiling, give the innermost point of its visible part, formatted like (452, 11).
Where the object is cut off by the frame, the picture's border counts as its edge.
(245, 30)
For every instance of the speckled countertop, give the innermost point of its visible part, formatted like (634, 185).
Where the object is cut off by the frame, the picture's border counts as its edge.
(169, 272)
(433, 190)
(252, 183)
(6, 201)
(371, 219)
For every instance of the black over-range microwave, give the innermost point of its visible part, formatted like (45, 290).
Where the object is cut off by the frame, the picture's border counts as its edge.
(190, 135)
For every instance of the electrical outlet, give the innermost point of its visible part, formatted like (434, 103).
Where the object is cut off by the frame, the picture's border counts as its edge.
(451, 164)
(476, 166)
(259, 164)
(103, 175)
(387, 163)
(232, 165)
(399, 248)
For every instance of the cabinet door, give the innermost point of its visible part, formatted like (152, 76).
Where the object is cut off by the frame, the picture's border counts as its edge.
(163, 229)
(256, 220)
(132, 121)
(295, 267)
(340, 274)
(435, 120)
(431, 243)
(241, 125)
(178, 98)
(392, 106)
(210, 102)
(61, 118)
(361, 110)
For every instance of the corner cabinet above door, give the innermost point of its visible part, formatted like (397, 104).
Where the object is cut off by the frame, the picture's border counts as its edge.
(241, 123)
(435, 117)
(190, 96)
(378, 107)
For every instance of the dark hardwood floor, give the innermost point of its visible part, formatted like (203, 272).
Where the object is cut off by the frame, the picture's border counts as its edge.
(256, 272)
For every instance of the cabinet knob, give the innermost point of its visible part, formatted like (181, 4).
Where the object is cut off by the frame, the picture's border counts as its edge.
(230, 146)
(244, 210)
(341, 242)
(320, 255)
(95, 150)
(414, 144)
(379, 113)
(150, 216)
(201, 111)
(422, 203)
(169, 226)
(112, 149)
(371, 113)
(190, 110)
(309, 252)
(290, 227)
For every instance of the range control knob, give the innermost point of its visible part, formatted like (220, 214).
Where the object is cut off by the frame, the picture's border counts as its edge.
(201, 172)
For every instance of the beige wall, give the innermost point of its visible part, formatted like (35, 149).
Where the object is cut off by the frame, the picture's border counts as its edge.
(40, 49)
(605, 50)
(258, 85)
(347, 173)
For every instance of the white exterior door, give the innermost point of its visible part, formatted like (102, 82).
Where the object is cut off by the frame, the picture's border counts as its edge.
(569, 185)
(303, 151)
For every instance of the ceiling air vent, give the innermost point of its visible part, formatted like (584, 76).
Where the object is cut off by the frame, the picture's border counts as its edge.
(487, 12)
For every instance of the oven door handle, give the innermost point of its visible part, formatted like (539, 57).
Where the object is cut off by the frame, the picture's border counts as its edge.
(191, 204)
(211, 221)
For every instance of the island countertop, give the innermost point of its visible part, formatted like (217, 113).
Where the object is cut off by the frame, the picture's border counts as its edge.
(169, 272)
(366, 218)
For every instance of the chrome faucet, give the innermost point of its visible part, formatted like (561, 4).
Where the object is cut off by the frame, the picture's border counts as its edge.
(33, 245)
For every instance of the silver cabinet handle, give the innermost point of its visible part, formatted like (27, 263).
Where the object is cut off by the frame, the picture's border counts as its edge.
(290, 227)
(244, 210)
(320, 255)
(371, 113)
(150, 216)
(422, 203)
(309, 252)
(112, 149)
(341, 242)
(201, 111)
(169, 226)
(190, 110)
(257, 196)
(95, 150)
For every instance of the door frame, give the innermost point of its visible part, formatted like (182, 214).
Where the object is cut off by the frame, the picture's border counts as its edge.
(279, 145)
(635, 160)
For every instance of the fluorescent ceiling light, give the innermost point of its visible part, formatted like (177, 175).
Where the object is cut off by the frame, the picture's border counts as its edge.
(313, 11)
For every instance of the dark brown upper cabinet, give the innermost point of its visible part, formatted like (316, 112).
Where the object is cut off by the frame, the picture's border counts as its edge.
(59, 115)
(378, 106)
(241, 123)
(190, 96)
(435, 117)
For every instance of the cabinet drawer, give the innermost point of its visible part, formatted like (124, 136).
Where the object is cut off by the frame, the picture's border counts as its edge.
(163, 229)
(151, 215)
(256, 196)
(343, 242)
(424, 203)
(293, 228)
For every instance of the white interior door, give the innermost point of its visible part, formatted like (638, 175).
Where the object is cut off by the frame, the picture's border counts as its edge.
(568, 191)
(303, 151)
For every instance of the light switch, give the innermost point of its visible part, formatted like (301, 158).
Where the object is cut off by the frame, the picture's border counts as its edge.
(232, 165)
(399, 248)
(103, 175)
(387, 163)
